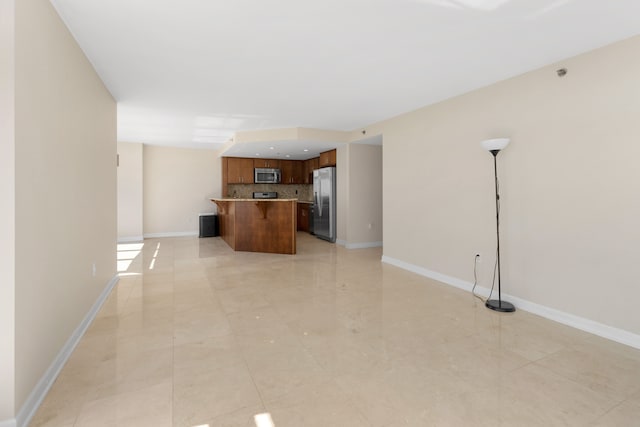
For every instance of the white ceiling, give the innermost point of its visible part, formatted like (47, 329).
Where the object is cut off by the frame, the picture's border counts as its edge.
(191, 73)
(291, 149)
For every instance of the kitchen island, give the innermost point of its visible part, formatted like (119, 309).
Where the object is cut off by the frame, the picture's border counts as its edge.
(258, 225)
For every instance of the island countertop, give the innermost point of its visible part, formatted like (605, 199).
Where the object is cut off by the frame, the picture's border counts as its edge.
(258, 225)
(230, 199)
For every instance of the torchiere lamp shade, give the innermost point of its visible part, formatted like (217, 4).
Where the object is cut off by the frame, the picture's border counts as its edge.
(495, 144)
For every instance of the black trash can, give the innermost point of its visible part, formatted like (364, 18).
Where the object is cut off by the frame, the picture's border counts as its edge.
(209, 225)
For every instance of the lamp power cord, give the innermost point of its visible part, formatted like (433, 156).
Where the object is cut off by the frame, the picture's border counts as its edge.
(475, 278)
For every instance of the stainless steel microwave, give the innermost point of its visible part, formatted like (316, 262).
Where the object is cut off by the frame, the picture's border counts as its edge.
(267, 176)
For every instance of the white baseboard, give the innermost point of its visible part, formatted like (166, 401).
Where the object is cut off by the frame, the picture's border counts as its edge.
(129, 240)
(40, 390)
(171, 234)
(8, 423)
(587, 325)
(449, 280)
(363, 245)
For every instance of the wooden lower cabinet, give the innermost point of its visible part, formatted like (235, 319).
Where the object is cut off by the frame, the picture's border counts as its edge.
(303, 217)
(258, 225)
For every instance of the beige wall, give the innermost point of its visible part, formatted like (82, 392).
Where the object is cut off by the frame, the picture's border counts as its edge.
(65, 184)
(364, 205)
(359, 195)
(130, 197)
(178, 183)
(570, 185)
(7, 211)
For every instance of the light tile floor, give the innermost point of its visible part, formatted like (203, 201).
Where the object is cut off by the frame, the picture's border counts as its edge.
(195, 335)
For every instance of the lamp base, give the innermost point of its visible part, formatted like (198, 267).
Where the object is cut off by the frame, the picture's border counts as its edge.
(499, 305)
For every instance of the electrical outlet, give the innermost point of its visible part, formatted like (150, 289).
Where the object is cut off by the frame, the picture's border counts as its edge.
(93, 269)
(370, 226)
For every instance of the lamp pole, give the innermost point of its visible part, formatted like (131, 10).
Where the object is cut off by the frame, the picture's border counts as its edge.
(498, 305)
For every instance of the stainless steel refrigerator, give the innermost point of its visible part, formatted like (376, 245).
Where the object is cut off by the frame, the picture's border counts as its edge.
(324, 203)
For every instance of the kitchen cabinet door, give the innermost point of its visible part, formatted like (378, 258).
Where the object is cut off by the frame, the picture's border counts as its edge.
(266, 163)
(239, 170)
(291, 171)
(328, 158)
(303, 217)
(286, 169)
(298, 172)
(309, 166)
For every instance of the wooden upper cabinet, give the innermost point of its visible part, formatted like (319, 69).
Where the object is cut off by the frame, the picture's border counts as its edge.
(286, 171)
(239, 170)
(328, 158)
(315, 163)
(266, 163)
(292, 171)
(309, 166)
(298, 172)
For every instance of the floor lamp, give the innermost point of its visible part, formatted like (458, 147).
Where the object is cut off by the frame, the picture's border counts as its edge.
(494, 146)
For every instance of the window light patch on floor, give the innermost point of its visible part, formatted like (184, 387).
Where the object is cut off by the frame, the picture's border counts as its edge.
(127, 252)
(263, 420)
(155, 255)
(130, 246)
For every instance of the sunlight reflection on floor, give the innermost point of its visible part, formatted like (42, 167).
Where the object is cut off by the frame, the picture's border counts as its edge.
(263, 420)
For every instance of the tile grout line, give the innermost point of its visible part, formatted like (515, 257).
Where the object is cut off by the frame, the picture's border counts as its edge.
(237, 348)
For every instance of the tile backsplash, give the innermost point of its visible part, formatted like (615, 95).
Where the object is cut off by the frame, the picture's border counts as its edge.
(288, 191)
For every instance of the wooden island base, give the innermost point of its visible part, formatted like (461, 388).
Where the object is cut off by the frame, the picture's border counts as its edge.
(258, 225)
